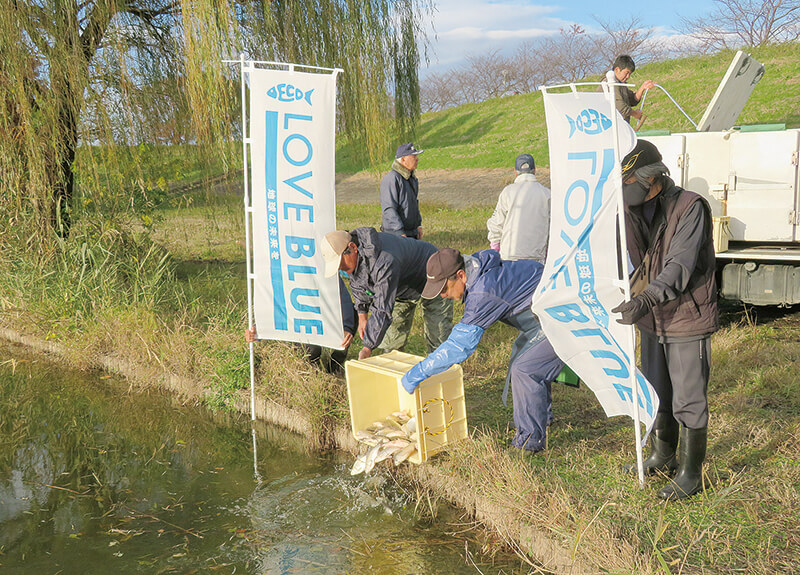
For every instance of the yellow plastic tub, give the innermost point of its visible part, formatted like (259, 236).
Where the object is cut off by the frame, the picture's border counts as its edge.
(375, 391)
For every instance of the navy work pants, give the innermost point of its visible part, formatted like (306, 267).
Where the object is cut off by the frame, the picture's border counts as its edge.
(532, 372)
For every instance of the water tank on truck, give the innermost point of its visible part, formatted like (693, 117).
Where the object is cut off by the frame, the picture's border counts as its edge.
(749, 175)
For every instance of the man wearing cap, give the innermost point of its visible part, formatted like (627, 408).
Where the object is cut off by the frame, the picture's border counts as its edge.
(493, 290)
(520, 224)
(387, 274)
(674, 305)
(399, 195)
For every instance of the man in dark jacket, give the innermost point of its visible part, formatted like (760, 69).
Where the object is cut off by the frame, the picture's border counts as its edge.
(399, 195)
(494, 290)
(387, 274)
(669, 235)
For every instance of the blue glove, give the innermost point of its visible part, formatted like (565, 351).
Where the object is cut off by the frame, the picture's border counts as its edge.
(463, 341)
(409, 385)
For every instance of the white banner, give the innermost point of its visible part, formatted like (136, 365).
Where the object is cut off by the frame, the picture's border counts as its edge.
(292, 167)
(580, 282)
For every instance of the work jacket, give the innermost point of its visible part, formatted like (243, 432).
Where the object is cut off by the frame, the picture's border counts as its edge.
(682, 263)
(389, 267)
(624, 99)
(496, 290)
(400, 202)
(521, 220)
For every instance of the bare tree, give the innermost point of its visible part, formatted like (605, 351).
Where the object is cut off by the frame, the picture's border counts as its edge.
(626, 37)
(439, 91)
(531, 67)
(573, 53)
(488, 75)
(736, 23)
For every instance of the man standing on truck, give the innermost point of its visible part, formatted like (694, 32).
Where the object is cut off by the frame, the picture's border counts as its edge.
(494, 290)
(674, 305)
(387, 274)
(400, 195)
(520, 224)
(626, 98)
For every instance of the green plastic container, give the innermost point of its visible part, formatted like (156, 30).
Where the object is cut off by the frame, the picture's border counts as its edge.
(568, 377)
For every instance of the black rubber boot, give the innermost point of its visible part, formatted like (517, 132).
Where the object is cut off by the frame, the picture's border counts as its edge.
(663, 443)
(692, 453)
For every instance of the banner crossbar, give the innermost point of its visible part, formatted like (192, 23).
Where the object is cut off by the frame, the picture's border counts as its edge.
(290, 67)
(573, 85)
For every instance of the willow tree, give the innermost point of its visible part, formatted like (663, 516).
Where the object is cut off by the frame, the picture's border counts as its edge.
(105, 74)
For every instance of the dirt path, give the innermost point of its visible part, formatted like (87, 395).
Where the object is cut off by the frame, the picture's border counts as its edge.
(453, 188)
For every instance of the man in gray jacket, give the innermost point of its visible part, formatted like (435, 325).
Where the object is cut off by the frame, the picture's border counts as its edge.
(669, 235)
(399, 195)
(387, 275)
(520, 224)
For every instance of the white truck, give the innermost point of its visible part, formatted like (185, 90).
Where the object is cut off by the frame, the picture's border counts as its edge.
(749, 175)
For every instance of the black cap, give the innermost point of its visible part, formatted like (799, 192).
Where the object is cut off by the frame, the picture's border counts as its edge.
(643, 154)
(524, 164)
(441, 265)
(407, 150)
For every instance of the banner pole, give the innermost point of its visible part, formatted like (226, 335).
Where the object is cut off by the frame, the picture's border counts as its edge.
(248, 211)
(626, 286)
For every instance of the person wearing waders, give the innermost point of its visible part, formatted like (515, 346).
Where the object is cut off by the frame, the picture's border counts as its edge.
(674, 305)
(387, 274)
(492, 290)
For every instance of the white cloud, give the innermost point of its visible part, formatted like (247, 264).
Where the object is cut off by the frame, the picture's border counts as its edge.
(464, 27)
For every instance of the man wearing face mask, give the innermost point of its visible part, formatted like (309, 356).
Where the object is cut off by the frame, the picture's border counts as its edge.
(674, 305)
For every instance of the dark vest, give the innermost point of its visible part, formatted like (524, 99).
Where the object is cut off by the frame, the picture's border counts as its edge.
(693, 312)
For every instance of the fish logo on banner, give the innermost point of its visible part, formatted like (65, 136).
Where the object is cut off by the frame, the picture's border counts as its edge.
(580, 282)
(294, 206)
(289, 93)
(589, 122)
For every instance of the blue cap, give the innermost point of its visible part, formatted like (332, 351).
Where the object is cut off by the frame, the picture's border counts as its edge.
(524, 164)
(407, 150)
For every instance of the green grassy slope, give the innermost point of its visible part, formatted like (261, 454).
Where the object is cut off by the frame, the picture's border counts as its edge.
(490, 134)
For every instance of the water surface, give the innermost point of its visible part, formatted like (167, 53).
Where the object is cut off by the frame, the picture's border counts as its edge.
(98, 478)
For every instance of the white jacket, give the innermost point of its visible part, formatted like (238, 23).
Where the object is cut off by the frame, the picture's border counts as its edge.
(521, 220)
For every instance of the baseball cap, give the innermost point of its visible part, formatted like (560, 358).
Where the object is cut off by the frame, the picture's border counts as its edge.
(441, 265)
(333, 245)
(643, 154)
(407, 150)
(524, 164)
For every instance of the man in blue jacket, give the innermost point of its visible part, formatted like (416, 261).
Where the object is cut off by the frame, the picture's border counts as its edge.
(400, 195)
(495, 290)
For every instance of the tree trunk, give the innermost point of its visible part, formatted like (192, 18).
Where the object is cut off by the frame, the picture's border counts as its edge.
(64, 173)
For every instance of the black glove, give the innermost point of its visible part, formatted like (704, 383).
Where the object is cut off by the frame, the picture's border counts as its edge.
(635, 309)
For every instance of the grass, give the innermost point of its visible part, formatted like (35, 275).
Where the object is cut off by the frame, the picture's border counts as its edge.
(179, 304)
(173, 299)
(487, 134)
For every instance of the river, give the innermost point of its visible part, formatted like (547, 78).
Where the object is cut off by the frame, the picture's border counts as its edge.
(97, 477)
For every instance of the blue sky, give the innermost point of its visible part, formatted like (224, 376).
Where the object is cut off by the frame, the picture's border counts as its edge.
(465, 27)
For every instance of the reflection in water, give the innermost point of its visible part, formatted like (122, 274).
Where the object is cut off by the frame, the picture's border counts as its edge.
(95, 479)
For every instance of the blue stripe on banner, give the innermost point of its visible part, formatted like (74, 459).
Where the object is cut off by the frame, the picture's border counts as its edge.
(276, 272)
